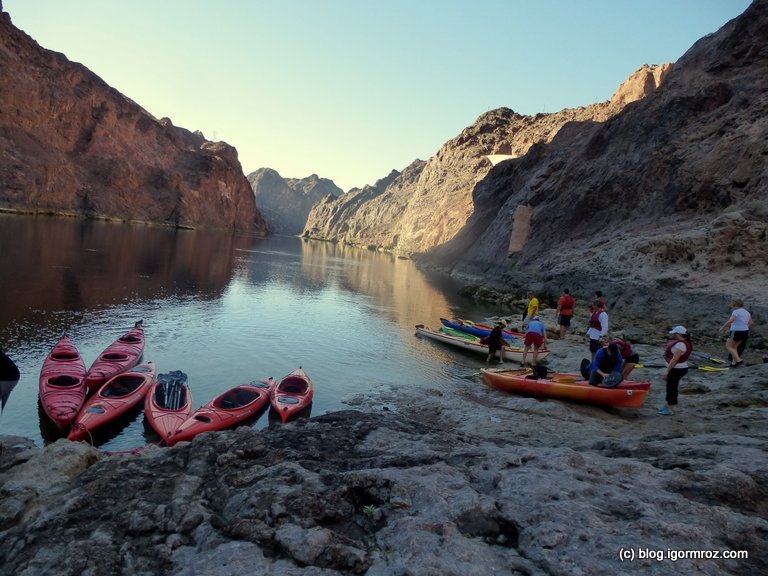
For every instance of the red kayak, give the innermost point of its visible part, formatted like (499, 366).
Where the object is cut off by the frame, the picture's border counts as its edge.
(292, 394)
(225, 411)
(168, 403)
(122, 354)
(118, 396)
(62, 383)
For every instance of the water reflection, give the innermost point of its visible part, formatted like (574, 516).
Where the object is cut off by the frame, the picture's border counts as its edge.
(225, 309)
(87, 265)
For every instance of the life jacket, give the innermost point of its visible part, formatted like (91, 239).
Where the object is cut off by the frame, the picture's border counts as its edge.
(684, 356)
(567, 305)
(624, 348)
(594, 320)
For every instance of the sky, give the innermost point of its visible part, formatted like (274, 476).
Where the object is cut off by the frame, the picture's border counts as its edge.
(352, 89)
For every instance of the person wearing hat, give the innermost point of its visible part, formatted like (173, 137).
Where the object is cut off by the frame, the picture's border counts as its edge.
(536, 336)
(676, 355)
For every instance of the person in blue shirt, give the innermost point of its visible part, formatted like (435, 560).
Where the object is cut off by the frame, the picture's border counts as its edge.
(607, 360)
(536, 336)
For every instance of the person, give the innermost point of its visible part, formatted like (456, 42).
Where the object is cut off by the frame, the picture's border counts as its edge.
(496, 343)
(564, 311)
(598, 327)
(607, 360)
(536, 336)
(676, 355)
(629, 356)
(533, 308)
(598, 303)
(738, 325)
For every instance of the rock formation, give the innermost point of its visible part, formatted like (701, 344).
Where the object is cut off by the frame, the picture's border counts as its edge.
(71, 144)
(449, 480)
(431, 202)
(670, 192)
(358, 216)
(286, 203)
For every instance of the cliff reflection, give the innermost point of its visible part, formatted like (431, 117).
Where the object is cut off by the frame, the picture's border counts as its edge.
(402, 291)
(54, 264)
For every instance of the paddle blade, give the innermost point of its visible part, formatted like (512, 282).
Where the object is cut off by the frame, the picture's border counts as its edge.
(8, 369)
(612, 380)
(6, 386)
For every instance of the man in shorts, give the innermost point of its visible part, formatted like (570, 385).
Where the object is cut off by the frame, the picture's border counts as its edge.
(738, 326)
(564, 311)
(536, 336)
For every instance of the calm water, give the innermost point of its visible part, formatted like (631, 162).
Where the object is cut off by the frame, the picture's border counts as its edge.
(225, 309)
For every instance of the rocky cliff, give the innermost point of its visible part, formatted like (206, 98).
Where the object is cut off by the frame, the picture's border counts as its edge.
(432, 201)
(71, 144)
(286, 202)
(672, 190)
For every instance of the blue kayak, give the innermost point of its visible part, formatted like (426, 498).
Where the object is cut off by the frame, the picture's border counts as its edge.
(479, 329)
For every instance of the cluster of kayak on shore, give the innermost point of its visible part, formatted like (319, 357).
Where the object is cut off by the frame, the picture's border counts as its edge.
(535, 381)
(80, 401)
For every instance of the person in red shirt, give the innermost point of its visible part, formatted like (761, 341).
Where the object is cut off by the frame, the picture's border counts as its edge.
(564, 312)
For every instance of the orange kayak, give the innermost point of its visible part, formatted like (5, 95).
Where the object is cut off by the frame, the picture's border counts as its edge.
(117, 397)
(292, 394)
(122, 354)
(571, 387)
(168, 403)
(224, 412)
(62, 383)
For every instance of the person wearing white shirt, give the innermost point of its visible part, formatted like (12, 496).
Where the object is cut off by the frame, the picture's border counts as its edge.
(598, 328)
(738, 326)
(676, 355)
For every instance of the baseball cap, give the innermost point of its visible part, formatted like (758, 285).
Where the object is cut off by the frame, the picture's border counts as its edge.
(678, 330)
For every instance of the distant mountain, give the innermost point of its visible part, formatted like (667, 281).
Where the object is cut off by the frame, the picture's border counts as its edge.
(71, 144)
(286, 202)
(430, 202)
(355, 217)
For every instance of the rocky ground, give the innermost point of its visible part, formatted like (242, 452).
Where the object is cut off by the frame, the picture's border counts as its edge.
(453, 480)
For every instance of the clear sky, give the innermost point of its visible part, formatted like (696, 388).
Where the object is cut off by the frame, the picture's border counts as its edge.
(351, 89)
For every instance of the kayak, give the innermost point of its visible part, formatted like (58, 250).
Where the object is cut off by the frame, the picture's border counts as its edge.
(628, 394)
(122, 354)
(117, 397)
(292, 394)
(459, 333)
(480, 330)
(225, 411)
(513, 354)
(168, 403)
(62, 383)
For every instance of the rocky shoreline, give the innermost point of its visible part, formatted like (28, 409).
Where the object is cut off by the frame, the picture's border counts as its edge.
(451, 480)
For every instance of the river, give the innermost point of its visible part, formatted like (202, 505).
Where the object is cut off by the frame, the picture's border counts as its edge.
(223, 308)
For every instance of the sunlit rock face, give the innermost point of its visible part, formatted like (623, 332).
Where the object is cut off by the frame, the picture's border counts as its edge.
(671, 190)
(430, 202)
(286, 202)
(71, 144)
